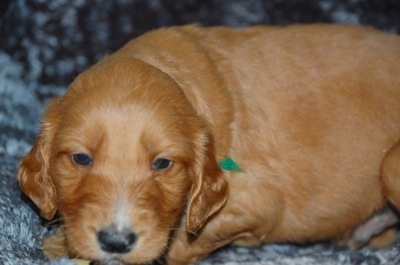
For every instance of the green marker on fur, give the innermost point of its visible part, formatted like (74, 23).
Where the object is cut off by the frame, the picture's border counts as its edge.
(230, 165)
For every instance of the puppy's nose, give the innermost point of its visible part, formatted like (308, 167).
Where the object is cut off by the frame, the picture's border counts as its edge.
(112, 240)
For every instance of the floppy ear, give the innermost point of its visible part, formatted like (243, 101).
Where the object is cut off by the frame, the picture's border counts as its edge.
(209, 190)
(33, 176)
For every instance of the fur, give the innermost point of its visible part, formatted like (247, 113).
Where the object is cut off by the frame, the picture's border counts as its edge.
(310, 113)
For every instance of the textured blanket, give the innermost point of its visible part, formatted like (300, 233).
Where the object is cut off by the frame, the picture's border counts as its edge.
(44, 44)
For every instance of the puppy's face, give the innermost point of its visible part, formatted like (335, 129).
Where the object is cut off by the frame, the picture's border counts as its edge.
(123, 156)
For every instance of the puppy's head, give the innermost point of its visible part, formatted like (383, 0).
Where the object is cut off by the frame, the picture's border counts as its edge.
(122, 156)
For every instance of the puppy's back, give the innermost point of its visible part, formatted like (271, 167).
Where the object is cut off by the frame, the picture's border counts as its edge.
(317, 109)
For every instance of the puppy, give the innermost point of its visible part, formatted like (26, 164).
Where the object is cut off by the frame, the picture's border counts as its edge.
(191, 138)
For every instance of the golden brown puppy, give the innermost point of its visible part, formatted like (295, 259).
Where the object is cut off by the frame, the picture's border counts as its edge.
(130, 155)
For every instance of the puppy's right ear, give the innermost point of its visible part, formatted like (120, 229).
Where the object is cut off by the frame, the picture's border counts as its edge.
(33, 176)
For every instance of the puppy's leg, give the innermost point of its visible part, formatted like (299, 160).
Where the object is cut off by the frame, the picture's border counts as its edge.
(188, 248)
(379, 230)
(54, 246)
(384, 239)
(391, 176)
(391, 180)
(220, 231)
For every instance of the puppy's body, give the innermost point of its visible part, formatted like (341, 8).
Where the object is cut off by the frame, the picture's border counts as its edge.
(310, 113)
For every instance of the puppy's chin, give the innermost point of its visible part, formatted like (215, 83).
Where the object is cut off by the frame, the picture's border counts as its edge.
(115, 261)
(107, 262)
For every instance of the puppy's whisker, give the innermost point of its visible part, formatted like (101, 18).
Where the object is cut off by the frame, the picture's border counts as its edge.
(54, 223)
(177, 229)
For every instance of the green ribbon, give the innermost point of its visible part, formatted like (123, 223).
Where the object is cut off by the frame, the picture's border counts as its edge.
(230, 165)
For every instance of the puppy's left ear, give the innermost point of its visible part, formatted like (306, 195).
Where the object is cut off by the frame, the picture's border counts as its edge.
(209, 190)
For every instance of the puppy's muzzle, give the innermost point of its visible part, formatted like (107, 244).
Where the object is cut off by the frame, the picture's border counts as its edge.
(116, 241)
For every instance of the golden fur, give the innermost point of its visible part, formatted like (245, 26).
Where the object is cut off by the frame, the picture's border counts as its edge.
(310, 113)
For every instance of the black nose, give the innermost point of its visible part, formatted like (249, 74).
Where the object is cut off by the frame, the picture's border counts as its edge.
(114, 241)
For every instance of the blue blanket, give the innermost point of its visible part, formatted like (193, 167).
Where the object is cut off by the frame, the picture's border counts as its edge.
(42, 46)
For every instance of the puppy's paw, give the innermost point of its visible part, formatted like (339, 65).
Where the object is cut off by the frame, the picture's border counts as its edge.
(377, 231)
(54, 246)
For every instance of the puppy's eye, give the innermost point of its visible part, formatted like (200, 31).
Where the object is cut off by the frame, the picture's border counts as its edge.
(161, 163)
(82, 159)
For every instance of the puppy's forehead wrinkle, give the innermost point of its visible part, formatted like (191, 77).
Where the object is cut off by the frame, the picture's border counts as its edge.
(136, 129)
(123, 79)
(130, 80)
